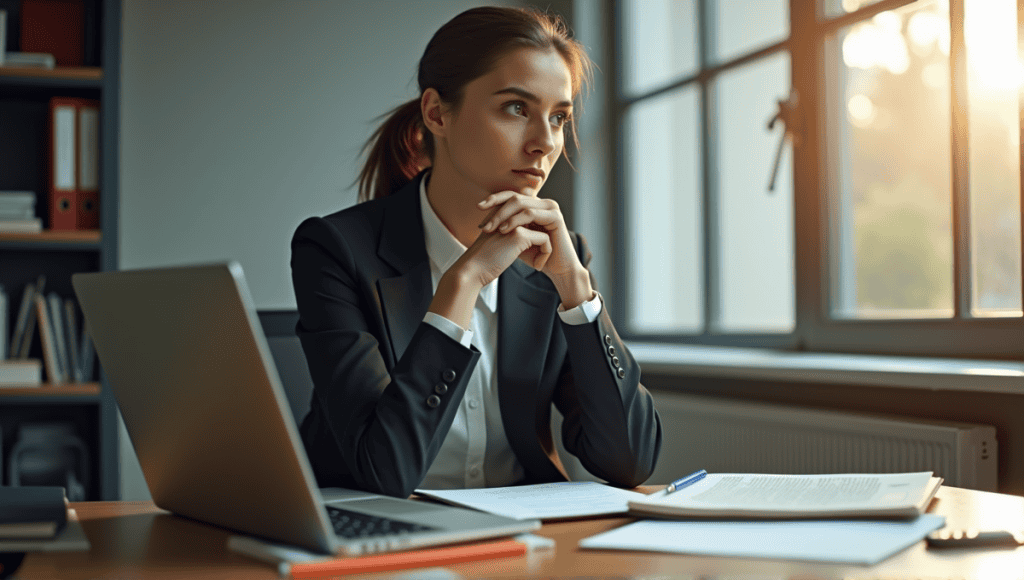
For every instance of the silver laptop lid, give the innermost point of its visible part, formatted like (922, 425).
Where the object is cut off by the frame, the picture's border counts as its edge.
(182, 351)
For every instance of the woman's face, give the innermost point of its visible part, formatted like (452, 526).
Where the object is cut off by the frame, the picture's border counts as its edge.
(508, 132)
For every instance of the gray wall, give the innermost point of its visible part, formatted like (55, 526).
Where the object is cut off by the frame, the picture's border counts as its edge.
(240, 118)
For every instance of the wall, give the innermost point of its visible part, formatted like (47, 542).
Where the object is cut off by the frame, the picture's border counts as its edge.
(240, 118)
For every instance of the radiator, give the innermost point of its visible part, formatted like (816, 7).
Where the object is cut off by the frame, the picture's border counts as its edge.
(745, 437)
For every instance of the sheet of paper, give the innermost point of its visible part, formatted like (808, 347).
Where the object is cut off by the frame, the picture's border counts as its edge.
(843, 541)
(567, 499)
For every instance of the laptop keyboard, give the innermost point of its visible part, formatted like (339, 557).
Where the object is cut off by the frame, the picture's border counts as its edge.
(352, 525)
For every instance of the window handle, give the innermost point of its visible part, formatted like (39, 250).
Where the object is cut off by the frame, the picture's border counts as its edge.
(789, 114)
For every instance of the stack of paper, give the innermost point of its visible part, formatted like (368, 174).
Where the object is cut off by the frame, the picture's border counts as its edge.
(746, 495)
(784, 516)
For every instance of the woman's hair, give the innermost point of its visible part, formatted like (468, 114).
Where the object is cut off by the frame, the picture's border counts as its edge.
(464, 49)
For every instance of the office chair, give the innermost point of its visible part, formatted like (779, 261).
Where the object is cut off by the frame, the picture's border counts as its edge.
(279, 328)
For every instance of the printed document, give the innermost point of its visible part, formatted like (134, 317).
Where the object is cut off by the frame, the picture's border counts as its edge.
(567, 499)
(794, 496)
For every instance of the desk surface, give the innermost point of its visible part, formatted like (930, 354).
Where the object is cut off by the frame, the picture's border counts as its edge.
(138, 540)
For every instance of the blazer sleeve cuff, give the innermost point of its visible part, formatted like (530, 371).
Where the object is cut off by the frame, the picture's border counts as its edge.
(585, 313)
(455, 332)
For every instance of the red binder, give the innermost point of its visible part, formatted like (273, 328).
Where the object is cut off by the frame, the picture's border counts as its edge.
(55, 27)
(74, 163)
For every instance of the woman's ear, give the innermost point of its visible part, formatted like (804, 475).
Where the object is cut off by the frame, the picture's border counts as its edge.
(433, 110)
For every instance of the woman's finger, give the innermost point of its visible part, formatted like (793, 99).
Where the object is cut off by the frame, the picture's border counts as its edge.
(537, 247)
(496, 199)
(523, 204)
(530, 216)
(504, 211)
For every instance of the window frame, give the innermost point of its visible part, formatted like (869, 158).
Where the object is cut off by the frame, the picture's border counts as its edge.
(816, 328)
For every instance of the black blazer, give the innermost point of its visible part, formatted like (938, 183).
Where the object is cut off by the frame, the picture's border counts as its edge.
(387, 385)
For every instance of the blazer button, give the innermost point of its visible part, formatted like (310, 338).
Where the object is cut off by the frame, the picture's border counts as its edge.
(607, 339)
(611, 351)
(448, 376)
(615, 361)
(622, 373)
(433, 401)
(440, 388)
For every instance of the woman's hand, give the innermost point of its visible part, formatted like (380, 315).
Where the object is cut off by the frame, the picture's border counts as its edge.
(563, 267)
(493, 252)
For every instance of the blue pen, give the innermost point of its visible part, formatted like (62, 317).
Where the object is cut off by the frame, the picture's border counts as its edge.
(686, 481)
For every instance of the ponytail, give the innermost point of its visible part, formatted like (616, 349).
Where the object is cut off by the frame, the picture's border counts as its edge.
(397, 152)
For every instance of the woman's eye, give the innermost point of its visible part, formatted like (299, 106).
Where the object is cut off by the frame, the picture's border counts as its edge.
(515, 108)
(559, 119)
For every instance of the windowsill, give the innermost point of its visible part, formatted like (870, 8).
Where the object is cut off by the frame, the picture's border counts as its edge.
(847, 369)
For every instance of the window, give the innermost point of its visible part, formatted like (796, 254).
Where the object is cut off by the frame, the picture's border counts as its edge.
(828, 175)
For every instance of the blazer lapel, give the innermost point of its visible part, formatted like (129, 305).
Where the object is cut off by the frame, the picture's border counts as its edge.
(525, 320)
(406, 297)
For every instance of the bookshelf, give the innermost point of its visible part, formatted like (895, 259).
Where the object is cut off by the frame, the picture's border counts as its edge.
(24, 165)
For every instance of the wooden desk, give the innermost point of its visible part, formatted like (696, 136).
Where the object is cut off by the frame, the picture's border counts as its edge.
(137, 540)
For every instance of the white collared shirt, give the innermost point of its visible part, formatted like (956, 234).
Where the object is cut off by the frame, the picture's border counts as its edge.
(476, 452)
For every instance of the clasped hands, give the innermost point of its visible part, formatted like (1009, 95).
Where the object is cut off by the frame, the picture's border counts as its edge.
(533, 230)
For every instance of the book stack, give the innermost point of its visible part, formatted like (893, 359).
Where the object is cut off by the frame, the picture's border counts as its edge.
(66, 346)
(37, 519)
(18, 212)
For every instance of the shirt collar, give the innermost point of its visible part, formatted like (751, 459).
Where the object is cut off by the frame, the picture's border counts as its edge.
(443, 249)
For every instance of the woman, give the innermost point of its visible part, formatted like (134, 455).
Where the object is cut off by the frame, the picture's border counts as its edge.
(442, 317)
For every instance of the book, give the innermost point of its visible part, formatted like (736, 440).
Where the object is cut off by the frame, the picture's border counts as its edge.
(29, 60)
(53, 369)
(71, 323)
(17, 198)
(35, 511)
(769, 496)
(56, 319)
(21, 226)
(25, 311)
(30, 326)
(302, 564)
(4, 325)
(3, 35)
(87, 355)
(71, 538)
(21, 373)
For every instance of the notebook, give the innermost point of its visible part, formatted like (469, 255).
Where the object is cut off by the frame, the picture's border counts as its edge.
(209, 420)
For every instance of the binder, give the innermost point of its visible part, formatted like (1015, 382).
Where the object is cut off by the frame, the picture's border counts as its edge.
(74, 163)
(56, 27)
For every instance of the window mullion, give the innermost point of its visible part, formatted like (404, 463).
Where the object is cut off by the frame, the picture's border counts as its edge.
(711, 250)
(1020, 123)
(961, 224)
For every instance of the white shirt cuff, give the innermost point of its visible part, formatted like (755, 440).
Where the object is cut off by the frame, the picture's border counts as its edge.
(454, 331)
(585, 313)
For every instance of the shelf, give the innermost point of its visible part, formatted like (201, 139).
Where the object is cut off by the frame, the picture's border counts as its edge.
(46, 392)
(50, 239)
(78, 73)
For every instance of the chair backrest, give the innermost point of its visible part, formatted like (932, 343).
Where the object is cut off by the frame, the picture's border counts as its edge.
(279, 328)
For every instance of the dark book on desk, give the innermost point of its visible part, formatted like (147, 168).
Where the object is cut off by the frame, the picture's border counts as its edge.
(32, 511)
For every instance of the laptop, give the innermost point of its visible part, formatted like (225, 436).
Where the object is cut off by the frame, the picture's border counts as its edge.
(210, 422)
